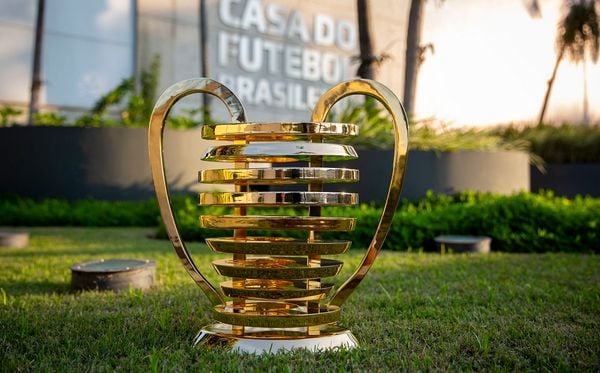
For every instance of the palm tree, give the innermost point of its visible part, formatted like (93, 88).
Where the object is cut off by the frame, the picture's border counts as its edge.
(204, 72)
(415, 52)
(36, 75)
(411, 63)
(366, 58)
(578, 34)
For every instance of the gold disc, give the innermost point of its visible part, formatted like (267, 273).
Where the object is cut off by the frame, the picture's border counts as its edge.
(278, 198)
(275, 222)
(276, 131)
(280, 175)
(255, 340)
(277, 289)
(274, 152)
(274, 315)
(284, 268)
(276, 246)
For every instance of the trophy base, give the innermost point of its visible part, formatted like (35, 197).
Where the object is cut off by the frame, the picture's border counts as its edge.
(271, 340)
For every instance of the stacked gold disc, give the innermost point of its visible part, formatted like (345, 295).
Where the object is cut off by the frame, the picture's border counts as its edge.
(276, 282)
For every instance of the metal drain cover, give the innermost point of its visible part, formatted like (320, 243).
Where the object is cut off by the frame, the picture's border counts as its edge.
(463, 244)
(113, 274)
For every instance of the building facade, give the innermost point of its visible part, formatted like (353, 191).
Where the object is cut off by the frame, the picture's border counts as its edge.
(278, 56)
(490, 63)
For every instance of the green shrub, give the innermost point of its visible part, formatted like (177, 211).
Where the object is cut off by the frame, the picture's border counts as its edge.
(565, 143)
(375, 126)
(7, 115)
(88, 213)
(524, 222)
(49, 119)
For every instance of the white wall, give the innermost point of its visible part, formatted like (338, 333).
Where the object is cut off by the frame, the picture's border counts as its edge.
(17, 18)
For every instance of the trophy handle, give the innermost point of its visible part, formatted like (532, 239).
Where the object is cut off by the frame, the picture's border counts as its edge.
(155, 150)
(394, 107)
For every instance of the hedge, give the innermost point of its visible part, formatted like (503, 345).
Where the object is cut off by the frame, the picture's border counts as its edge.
(523, 222)
(15, 211)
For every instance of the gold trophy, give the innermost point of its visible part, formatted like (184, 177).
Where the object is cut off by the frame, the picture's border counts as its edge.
(275, 298)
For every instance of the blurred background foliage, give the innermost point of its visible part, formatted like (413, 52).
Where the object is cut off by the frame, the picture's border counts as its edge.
(563, 143)
(130, 105)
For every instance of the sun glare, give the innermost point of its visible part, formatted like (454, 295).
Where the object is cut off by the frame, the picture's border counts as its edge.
(492, 62)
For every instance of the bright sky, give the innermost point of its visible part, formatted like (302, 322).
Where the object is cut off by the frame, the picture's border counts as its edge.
(492, 62)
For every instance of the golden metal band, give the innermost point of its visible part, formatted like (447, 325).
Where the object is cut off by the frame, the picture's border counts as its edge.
(274, 222)
(276, 289)
(271, 176)
(278, 198)
(400, 122)
(279, 268)
(155, 151)
(286, 131)
(279, 152)
(276, 246)
(274, 315)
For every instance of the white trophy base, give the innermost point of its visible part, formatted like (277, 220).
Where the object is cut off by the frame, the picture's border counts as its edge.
(271, 340)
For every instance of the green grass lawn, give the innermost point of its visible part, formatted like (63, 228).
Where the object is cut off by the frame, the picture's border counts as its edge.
(413, 311)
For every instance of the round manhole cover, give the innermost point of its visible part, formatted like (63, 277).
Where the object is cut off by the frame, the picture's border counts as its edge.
(463, 244)
(113, 274)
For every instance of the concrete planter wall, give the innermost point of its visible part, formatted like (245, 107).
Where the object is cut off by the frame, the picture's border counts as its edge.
(569, 179)
(502, 172)
(112, 163)
(106, 163)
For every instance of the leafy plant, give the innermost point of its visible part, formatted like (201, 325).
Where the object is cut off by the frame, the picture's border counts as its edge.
(6, 115)
(49, 119)
(375, 128)
(564, 143)
(136, 105)
(190, 118)
(578, 35)
(373, 120)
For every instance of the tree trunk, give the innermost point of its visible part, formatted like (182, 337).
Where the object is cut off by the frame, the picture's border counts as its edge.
(586, 113)
(365, 70)
(36, 75)
(550, 84)
(206, 117)
(411, 63)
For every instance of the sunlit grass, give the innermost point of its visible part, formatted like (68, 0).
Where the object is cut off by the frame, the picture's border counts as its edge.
(413, 311)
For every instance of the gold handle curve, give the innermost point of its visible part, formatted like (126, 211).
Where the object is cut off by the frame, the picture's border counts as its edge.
(393, 105)
(155, 150)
